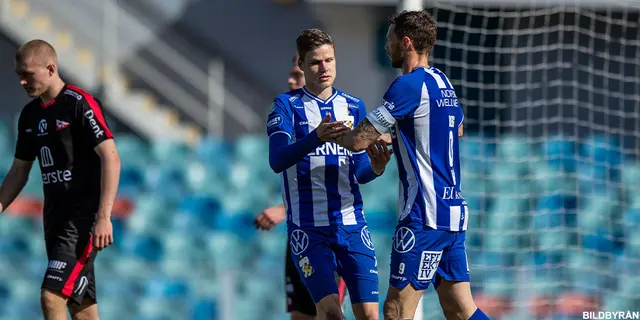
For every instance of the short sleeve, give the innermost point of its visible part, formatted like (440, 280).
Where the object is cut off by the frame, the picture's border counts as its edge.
(400, 101)
(94, 125)
(280, 119)
(24, 148)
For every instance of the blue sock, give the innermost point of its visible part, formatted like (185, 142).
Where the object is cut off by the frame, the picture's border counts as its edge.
(479, 315)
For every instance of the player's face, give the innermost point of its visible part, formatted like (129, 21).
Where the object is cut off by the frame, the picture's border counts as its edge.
(296, 78)
(394, 48)
(319, 67)
(34, 76)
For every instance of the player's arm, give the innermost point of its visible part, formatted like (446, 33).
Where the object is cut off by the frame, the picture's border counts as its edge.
(110, 173)
(361, 137)
(371, 164)
(14, 182)
(282, 153)
(100, 138)
(270, 217)
(18, 174)
(399, 101)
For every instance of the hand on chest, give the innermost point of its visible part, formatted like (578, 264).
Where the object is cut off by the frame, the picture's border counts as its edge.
(312, 115)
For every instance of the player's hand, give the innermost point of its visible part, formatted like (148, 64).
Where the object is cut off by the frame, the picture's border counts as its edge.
(270, 217)
(386, 138)
(329, 131)
(380, 154)
(103, 234)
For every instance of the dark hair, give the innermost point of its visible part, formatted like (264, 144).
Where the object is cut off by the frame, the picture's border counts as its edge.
(310, 40)
(418, 26)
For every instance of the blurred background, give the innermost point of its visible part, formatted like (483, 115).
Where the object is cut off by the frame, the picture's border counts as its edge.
(551, 95)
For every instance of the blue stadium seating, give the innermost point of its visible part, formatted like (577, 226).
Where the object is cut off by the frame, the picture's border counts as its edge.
(191, 226)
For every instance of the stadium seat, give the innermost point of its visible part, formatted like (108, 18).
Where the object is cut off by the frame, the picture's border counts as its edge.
(215, 154)
(150, 213)
(133, 151)
(169, 153)
(559, 153)
(145, 247)
(204, 181)
(131, 181)
(203, 309)
(22, 309)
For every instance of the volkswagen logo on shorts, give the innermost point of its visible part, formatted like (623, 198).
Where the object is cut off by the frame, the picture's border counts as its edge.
(42, 126)
(366, 237)
(404, 240)
(299, 241)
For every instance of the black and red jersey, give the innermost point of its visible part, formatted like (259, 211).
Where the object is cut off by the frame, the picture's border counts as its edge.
(63, 135)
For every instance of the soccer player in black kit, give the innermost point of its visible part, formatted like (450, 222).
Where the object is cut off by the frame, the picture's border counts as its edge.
(64, 128)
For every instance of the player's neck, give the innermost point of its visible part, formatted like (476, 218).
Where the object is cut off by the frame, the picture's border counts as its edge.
(413, 61)
(53, 91)
(321, 93)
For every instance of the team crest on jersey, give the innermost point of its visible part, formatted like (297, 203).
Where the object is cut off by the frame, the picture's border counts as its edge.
(61, 125)
(349, 120)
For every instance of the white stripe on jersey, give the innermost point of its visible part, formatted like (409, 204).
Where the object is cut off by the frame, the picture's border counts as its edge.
(412, 189)
(294, 196)
(312, 111)
(438, 79)
(454, 214)
(422, 129)
(341, 110)
(346, 196)
(466, 218)
(319, 195)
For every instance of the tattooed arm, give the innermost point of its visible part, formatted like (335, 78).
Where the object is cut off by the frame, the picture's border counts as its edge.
(361, 137)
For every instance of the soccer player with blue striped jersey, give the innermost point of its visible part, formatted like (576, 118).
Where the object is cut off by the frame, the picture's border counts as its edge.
(325, 220)
(423, 114)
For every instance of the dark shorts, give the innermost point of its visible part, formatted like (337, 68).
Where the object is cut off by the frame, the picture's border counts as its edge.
(70, 270)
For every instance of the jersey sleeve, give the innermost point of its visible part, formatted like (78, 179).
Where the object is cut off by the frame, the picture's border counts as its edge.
(400, 101)
(94, 126)
(24, 148)
(362, 114)
(280, 119)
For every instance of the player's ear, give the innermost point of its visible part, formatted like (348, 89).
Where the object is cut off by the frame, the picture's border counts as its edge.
(52, 69)
(406, 43)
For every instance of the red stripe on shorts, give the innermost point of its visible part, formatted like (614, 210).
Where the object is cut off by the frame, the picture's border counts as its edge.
(342, 288)
(68, 286)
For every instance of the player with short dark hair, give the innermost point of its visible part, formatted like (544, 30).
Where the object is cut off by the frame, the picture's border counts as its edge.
(325, 220)
(299, 303)
(64, 128)
(422, 111)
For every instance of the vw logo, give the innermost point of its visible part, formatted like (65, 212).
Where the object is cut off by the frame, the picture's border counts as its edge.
(299, 241)
(404, 240)
(366, 237)
(42, 126)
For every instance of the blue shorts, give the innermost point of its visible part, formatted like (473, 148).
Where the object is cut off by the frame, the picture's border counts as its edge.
(318, 252)
(422, 255)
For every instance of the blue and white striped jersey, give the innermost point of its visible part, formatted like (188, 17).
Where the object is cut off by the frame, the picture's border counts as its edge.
(422, 112)
(321, 189)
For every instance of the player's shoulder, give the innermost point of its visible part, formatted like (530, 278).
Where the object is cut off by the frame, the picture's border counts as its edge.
(412, 79)
(285, 100)
(76, 94)
(349, 97)
(289, 97)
